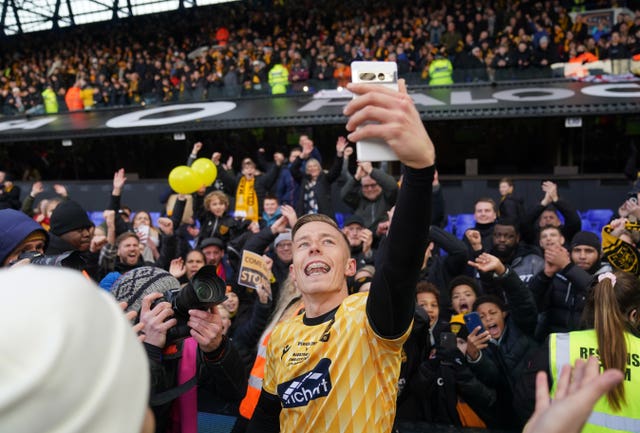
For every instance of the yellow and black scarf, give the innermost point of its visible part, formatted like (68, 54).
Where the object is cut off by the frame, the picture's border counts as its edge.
(620, 254)
(247, 200)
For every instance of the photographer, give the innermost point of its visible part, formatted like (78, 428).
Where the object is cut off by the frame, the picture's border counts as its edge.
(204, 358)
(19, 234)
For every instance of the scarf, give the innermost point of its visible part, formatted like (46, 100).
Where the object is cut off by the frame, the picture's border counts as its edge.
(247, 200)
(310, 201)
(621, 255)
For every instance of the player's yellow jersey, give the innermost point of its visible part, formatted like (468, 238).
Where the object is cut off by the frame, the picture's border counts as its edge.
(338, 376)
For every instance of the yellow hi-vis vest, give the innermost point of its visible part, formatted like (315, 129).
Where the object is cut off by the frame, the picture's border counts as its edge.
(278, 79)
(566, 348)
(440, 72)
(50, 101)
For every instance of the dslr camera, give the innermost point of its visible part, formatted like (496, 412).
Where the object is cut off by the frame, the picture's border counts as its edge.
(204, 290)
(68, 259)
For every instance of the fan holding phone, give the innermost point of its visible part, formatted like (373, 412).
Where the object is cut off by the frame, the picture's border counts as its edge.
(500, 354)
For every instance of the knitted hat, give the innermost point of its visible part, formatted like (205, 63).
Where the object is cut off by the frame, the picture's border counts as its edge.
(286, 236)
(78, 367)
(15, 227)
(137, 283)
(586, 238)
(68, 216)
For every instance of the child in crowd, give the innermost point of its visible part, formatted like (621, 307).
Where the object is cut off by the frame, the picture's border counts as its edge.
(428, 298)
(464, 291)
(214, 217)
(270, 211)
(436, 383)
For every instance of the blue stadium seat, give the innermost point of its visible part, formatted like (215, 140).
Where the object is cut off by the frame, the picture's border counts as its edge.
(464, 221)
(96, 217)
(451, 224)
(340, 218)
(154, 218)
(598, 218)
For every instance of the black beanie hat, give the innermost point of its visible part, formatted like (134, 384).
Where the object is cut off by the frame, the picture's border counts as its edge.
(67, 216)
(586, 238)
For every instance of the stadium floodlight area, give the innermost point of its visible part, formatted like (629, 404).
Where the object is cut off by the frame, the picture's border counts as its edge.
(25, 16)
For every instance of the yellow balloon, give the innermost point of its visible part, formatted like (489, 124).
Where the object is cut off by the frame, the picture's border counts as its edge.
(206, 169)
(184, 180)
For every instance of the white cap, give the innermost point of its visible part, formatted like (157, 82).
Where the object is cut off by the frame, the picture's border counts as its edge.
(284, 236)
(69, 359)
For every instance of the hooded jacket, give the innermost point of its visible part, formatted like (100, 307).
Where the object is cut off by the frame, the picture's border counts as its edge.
(15, 226)
(561, 297)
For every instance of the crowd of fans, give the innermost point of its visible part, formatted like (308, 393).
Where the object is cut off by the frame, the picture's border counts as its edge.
(527, 272)
(246, 48)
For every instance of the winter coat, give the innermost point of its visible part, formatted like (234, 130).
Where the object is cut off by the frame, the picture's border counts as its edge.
(322, 188)
(372, 212)
(503, 361)
(561, 298)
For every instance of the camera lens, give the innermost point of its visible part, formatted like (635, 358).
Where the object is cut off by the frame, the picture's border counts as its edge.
(204, 291)
(367, 76)
(381, 76)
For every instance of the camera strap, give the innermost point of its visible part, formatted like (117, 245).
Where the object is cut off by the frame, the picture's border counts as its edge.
(171, 394)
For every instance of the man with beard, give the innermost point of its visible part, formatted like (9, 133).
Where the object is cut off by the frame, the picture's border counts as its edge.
(371, 192)
(562, 287)
(523, 259)
(360, 239)
(125, 254)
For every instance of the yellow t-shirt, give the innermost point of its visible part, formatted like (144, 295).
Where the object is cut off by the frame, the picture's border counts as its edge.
(338, 376)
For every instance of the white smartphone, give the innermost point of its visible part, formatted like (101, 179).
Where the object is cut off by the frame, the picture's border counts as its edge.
(385, 74)
(143, 233)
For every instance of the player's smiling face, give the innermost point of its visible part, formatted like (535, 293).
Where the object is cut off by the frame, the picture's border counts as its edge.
(321, 260)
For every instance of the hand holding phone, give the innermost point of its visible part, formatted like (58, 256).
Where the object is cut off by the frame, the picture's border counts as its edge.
(472, 320)
(143, 233)
(379, 73)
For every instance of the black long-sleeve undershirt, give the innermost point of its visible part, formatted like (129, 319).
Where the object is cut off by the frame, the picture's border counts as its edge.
(390, 305)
